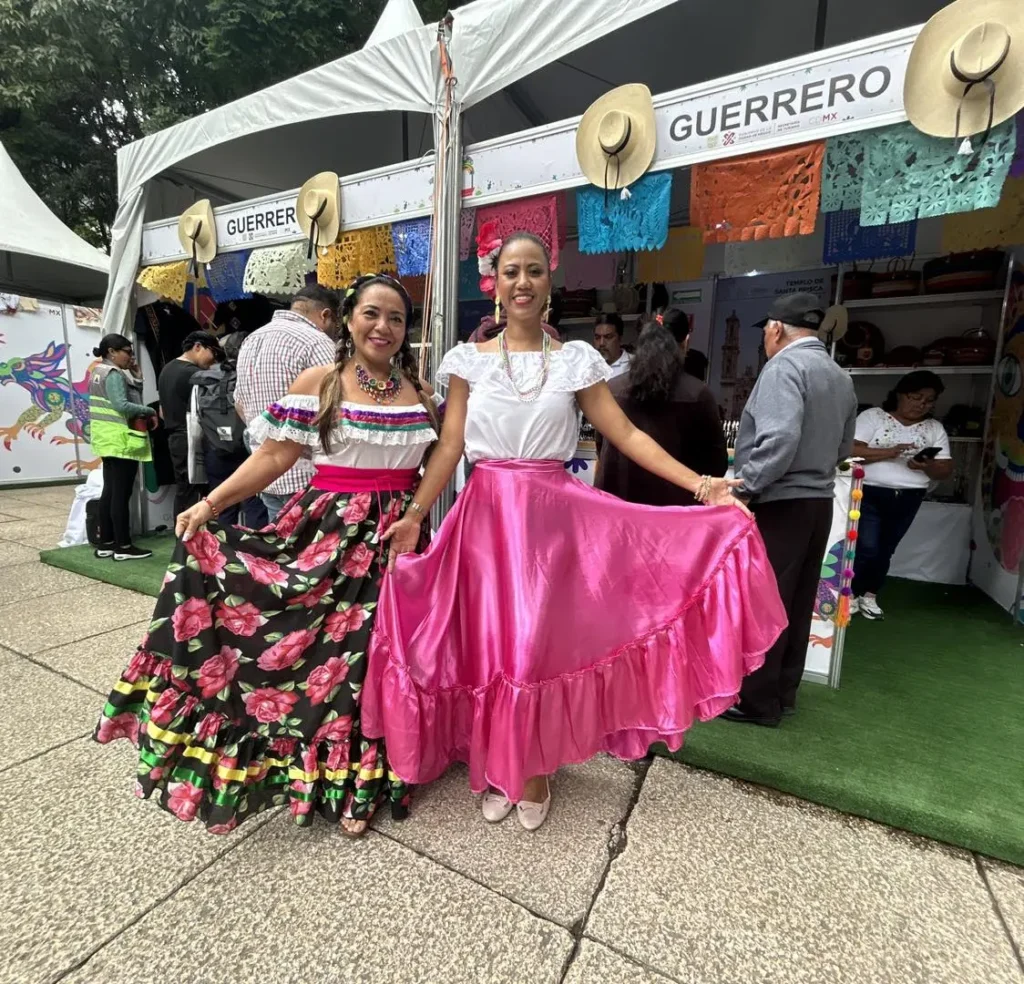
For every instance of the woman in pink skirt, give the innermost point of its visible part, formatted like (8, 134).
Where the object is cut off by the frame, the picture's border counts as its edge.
(548, 621)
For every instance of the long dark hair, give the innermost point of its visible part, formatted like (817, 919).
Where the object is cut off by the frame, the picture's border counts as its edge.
(657, 362)
(330, 388)
(912, 382)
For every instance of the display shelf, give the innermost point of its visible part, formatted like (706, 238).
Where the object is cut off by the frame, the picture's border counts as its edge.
(917, 300)
(938, 370)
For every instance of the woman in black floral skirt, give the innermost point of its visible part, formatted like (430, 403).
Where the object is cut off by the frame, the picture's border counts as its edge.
(245, 692)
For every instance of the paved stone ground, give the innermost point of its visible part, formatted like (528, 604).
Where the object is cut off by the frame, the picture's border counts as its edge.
(643, 875)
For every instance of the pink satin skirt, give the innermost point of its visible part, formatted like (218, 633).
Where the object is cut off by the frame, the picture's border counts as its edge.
(548, 621)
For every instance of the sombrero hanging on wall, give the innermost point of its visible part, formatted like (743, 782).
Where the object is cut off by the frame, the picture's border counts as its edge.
(318, 210)
(615, 140)
(197, 233)
(966, 70)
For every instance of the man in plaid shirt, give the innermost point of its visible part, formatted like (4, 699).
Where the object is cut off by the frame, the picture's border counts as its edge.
(272, 359)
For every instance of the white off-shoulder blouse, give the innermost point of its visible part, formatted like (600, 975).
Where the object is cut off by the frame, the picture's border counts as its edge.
(500, 426)
(363, 436)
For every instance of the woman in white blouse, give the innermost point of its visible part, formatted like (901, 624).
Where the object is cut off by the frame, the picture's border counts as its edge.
(548, 621)
(905, 449)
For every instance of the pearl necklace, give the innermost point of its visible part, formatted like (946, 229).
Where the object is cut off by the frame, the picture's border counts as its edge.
(530, 394)
(380, 391)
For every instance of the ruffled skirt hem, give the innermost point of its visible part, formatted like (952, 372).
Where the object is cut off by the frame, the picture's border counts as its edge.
(690, 668)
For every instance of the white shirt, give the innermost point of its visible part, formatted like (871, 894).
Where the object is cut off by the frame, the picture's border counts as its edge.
(878, 429)
(621, 365)
(500, 426)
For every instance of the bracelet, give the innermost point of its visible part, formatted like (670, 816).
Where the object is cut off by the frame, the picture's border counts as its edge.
(703, 492)
(417, 508)
(213, 508)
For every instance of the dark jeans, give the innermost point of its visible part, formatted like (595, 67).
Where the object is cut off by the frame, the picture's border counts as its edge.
(186, 495)
(795, 533)
(885, 517)
(251, 513)
(115, 501)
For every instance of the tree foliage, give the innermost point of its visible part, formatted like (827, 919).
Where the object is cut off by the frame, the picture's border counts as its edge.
(80, 78)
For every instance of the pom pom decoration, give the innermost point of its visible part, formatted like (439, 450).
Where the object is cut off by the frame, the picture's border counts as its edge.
(848, 573)
(855, 514)
(850, 554)
(846, 592)
(851, 536)
(858, 472)
(857, 495)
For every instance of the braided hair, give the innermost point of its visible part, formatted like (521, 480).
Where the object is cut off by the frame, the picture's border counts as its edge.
(330, 388)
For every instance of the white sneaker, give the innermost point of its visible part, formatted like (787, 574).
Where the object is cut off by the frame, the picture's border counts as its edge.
(855, 606)
(870, 609)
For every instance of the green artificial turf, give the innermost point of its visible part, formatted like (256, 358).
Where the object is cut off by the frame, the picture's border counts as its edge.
(925, 734)
(144, 576)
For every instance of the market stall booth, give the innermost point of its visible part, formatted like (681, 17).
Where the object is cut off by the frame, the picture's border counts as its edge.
(945, 302)
(721, 266)
(50, 283)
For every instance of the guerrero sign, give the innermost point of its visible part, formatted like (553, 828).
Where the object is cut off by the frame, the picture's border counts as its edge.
(806, 99)
(812, 98)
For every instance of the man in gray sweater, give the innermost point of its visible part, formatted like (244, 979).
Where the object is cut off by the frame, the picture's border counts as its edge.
(796, 427)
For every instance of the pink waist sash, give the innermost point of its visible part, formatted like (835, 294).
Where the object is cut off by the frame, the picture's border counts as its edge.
(329, 478)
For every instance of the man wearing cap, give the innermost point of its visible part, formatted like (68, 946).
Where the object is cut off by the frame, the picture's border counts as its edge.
(200, 350)
(797, 426)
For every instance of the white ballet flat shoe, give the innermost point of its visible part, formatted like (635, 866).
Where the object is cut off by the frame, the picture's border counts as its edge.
(496, 806)
(533, 815)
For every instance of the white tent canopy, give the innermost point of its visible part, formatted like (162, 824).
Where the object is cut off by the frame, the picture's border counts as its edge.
(39, 255)
(274, 139)
(524, 64)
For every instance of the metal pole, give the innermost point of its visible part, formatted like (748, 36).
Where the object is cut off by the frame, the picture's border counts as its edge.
(448, 191)
(72, 395)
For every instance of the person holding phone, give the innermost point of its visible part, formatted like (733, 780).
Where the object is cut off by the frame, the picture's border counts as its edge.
(904, 449)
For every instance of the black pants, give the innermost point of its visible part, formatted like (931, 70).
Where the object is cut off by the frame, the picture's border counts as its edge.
(115, 501)
(186, 495)
(885, 517)
(219, 468)
(795, 533)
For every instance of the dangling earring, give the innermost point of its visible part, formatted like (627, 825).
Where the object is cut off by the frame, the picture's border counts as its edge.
(497, 309)
(547, 311)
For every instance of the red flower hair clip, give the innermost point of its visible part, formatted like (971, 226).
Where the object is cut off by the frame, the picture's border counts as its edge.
(488, 246)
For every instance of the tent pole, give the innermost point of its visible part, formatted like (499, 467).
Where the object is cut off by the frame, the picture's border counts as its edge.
(448, 189)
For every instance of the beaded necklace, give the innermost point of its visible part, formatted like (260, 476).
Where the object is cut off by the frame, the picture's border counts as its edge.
(530, 394)
(380, 391)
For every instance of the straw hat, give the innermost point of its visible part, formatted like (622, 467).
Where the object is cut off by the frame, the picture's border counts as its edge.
(318, 209)
(197, 232)
(963, 64)
(833, 328)
(615, 140)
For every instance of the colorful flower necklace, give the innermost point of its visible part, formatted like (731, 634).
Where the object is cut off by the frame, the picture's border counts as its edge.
(380, 391)
(530, 394)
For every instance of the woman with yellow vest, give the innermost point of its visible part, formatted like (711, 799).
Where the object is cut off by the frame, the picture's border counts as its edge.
(118, 430)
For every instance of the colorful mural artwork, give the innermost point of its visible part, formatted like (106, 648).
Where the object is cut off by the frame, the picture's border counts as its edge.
(826, 604)
(50, 398)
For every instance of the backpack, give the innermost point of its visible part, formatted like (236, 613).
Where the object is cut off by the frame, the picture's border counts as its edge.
(223, 430)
